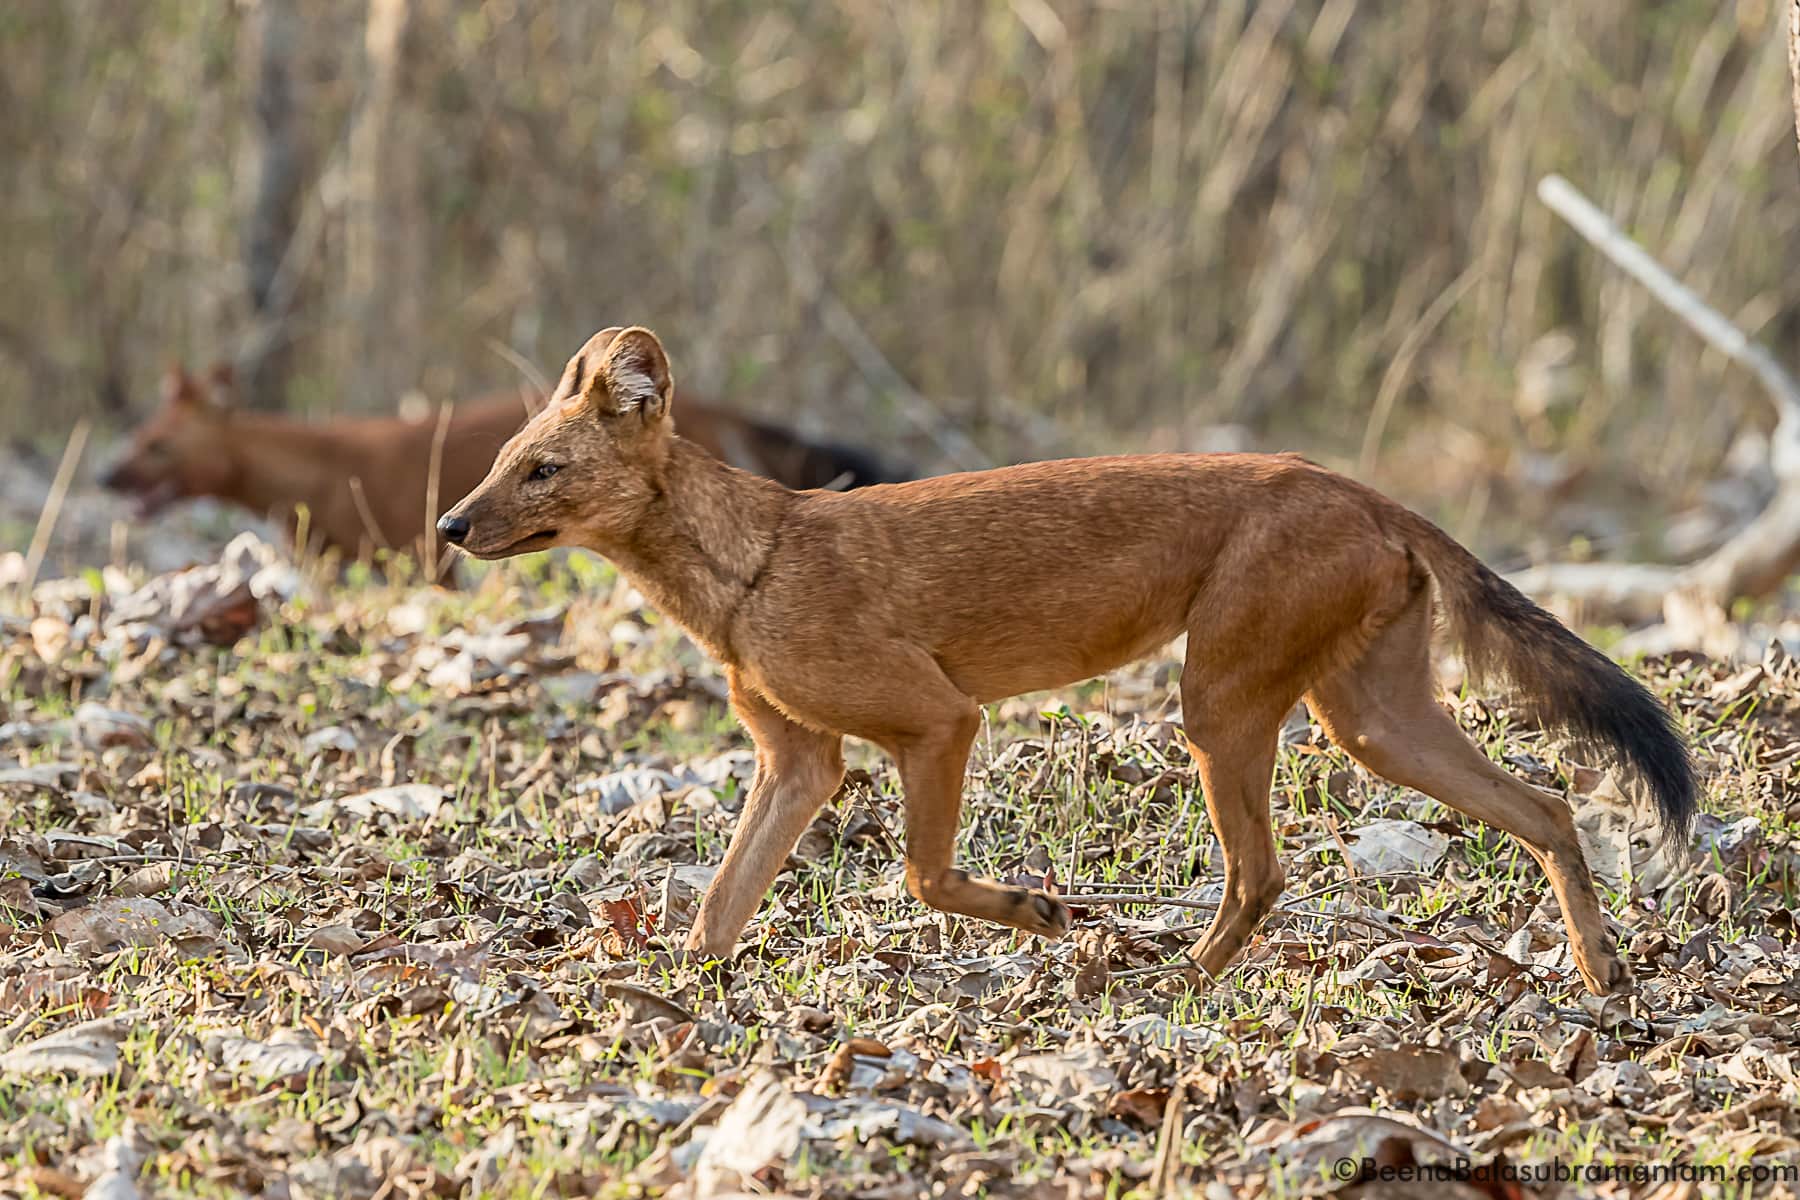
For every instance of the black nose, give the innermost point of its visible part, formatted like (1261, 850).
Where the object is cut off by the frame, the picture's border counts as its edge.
(454, 529)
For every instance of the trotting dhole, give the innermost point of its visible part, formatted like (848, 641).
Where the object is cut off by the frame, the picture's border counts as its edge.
(893, 613)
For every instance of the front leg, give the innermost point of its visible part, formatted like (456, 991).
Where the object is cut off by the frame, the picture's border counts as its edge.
(797, 770)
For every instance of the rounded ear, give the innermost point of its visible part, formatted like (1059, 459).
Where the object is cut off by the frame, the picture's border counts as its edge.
(636, 374)
(581, 377)
(221, 385)
(178, 385)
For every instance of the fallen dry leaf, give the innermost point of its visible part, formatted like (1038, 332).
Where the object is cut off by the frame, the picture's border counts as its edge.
(1387, 847)
(111, 924)
(761, 1126)
(90, 1048)
(1408, 1073)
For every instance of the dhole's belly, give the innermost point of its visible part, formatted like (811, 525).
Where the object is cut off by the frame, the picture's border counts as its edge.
(1010, 668)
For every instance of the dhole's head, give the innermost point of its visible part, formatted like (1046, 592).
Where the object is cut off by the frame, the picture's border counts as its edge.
(583, 471)
(183, 448)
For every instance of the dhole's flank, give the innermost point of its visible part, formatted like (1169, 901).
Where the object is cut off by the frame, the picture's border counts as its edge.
(894, 612)
(367, 483)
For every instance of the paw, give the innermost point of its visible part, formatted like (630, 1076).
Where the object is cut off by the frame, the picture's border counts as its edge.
(696, 952)
(1199, 975)
(1608, 975)
(697, 963)
(1042, 914)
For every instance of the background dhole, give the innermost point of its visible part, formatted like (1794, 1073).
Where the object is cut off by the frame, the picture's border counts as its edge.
(893, 613)
(376, 483)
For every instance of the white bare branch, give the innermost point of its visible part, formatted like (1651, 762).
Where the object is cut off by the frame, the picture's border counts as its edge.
(1758, 559)
(1717, 330)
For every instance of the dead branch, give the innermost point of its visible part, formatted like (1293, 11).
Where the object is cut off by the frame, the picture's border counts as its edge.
(1627, 592)
(1712, 326)
(1755, 561)
(46, 523)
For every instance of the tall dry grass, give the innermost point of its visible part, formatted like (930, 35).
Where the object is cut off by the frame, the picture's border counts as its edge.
(1065, 227)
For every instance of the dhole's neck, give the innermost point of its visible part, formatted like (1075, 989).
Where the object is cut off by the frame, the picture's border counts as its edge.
(703, 544)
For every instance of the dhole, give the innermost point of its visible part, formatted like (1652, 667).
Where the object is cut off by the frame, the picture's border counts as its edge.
(366, 483)
(893, 613)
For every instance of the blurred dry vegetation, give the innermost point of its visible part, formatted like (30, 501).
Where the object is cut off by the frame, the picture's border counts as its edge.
(1054, 227)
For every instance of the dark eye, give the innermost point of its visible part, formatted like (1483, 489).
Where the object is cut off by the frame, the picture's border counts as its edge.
(543, 471)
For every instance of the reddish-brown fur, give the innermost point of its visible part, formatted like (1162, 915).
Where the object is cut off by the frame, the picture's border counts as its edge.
(366, 482)
(893, 613)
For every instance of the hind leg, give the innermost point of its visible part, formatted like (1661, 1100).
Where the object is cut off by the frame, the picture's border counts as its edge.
(1383, 710)
(1232, 716)
(1235, 771)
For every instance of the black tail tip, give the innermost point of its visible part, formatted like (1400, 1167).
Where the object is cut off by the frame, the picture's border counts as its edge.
(1656, 751)
(1622, 722)
(847, 467)
(1676, 792)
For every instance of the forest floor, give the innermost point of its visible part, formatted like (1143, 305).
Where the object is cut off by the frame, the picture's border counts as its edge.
(368, 891)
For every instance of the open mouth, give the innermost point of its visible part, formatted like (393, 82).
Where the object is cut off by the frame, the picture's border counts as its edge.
(525, 545)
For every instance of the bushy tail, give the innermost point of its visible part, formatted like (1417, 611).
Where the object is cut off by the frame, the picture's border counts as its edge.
(1563, 683)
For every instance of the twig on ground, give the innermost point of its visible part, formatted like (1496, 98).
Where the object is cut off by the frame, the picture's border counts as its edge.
(431, 558)
(1152, 898)
(1168, 1139)
(367, 514)
(1163, 968)
(53, 503)
(1092, 898)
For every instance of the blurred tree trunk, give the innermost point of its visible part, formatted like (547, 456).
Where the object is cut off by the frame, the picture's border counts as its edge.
(383, 275)
(266, 357)
(1794, 61)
